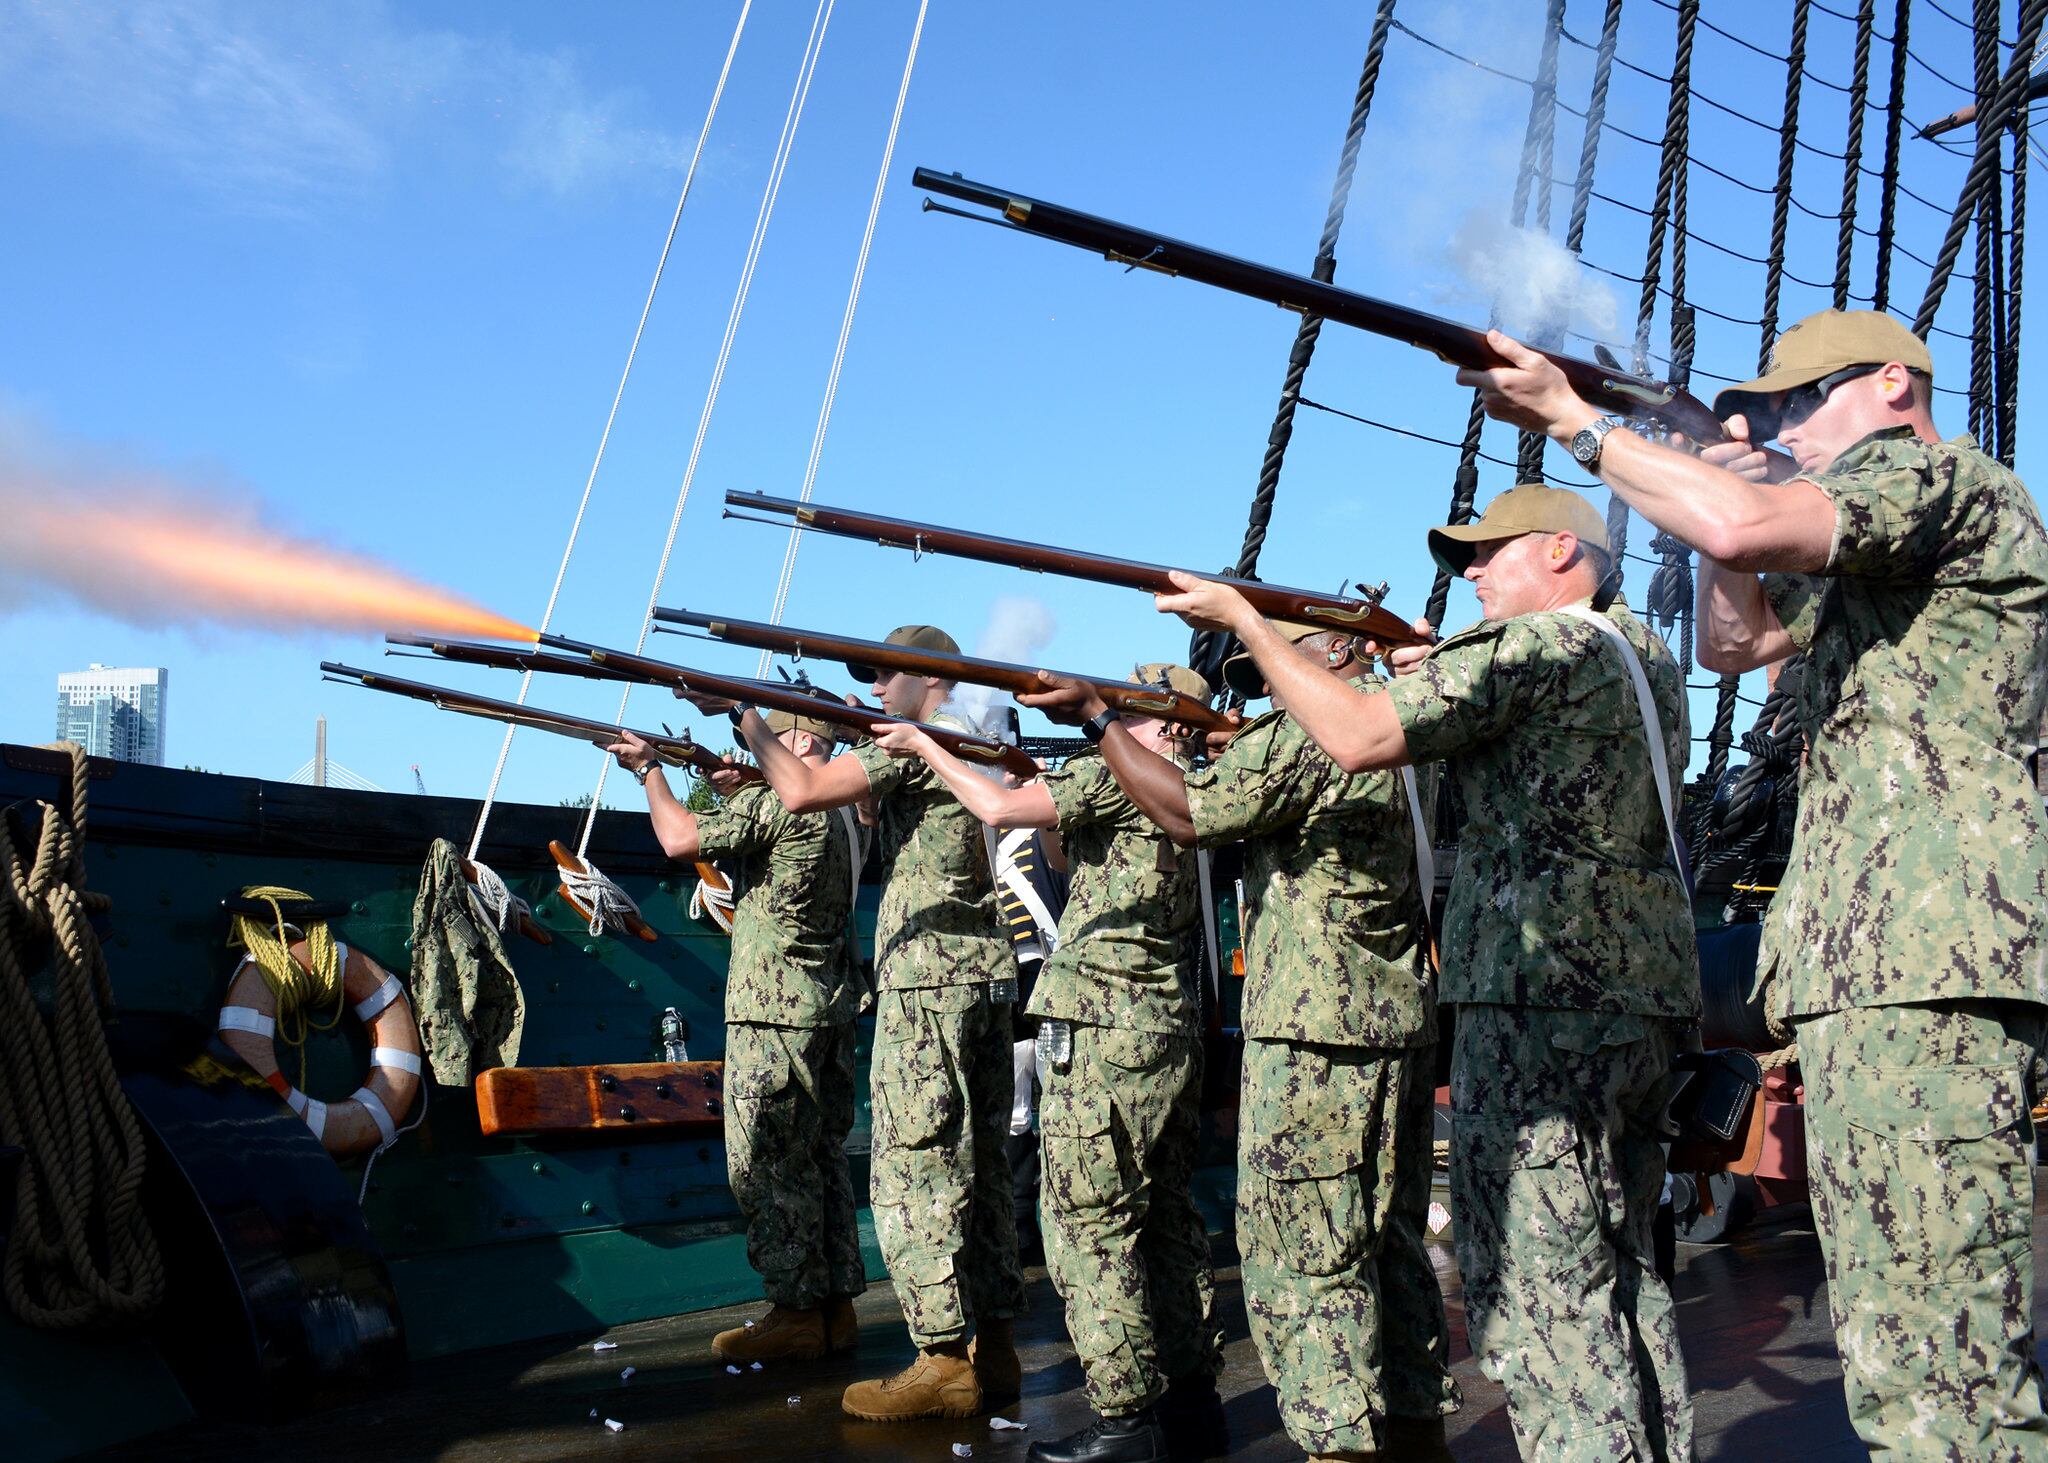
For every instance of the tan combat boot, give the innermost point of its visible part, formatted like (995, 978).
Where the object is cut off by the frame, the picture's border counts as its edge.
(842, 1327)
(940, 1383)
(781, 1335)
(996, 1368)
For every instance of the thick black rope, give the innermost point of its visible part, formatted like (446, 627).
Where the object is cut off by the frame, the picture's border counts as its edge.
(1852, 153)
(2009, 367)
(1985, 163)
(1894, 130)
(1984, 55)
(1539, 146)
(1596, 115)
(1781, 199)
(1207, 651)
(1464, 489)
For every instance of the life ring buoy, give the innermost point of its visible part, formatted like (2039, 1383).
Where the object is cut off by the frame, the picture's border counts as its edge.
(368, 1117)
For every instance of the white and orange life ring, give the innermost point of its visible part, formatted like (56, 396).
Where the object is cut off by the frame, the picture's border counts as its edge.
(368, 1117)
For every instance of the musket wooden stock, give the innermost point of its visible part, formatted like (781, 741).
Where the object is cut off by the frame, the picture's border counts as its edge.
(674, 750)
(1361, 617)
(1448, 340)
(1132, 697)
(766, 694)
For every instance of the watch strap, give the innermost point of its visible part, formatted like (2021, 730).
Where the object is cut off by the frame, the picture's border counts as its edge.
(1096, 727)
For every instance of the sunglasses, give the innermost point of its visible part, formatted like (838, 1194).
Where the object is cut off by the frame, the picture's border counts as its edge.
(1801, 402)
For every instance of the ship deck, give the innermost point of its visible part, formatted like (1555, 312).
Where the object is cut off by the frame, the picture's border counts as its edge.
(1753, 1316)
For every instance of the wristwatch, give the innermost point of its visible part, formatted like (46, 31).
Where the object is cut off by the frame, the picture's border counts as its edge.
(736, 715)
(1096, 727)
(640, 772)
(1586, 441)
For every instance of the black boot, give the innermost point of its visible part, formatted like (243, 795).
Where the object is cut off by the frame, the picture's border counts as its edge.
(1133, 1439)
(1191, 1415)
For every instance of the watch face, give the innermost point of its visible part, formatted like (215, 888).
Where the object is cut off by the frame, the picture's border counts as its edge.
(1585, 446)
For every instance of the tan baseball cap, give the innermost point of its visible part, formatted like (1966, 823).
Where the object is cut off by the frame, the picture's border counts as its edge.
(1525, 508)
(788, 721)
(916, 637)
(1241, 673)
(1173, 677)
(1822, 344)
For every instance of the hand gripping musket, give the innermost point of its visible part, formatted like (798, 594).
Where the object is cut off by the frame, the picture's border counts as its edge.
(673, 751)
(766, 694)
(1131, 697)
(1360, 616)
(1460, 345)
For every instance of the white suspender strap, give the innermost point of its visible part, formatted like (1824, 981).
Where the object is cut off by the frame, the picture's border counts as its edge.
(246, 1018)
(378, 999)
(395, 1057)
(1425, 851)
(1652, 730)
(379, 1114)
(853, 848)
(1212, 939)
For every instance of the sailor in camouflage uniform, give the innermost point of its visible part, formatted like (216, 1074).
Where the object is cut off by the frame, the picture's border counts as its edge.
(1119, 1117)
(1567, 949)
(941, 1075)
(1906, 943)
(790, 997)
(1334, 1113)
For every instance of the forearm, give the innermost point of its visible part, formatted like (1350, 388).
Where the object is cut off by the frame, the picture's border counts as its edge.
(1753, 527)
(675, 826)
(1738, 629)
(802, 787)
(1157, 786)
(1358, 729)
(1029, 806)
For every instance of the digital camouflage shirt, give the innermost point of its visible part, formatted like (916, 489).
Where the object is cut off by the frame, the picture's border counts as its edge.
(1565, 895)
(1919, 868)
(1131, 900)
(792, 962)
(1332, 950)
(937, 924)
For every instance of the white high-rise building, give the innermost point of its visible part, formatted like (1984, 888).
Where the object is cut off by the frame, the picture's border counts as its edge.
(114, 711)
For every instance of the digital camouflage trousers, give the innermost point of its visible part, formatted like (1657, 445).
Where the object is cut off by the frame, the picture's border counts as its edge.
(1126, 1248)
(1556, 1173)
(789, 1106)
(940, 1182)
(1920, 1147)
(1334, 1160)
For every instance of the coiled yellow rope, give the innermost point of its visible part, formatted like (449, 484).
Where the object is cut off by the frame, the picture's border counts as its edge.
(301, 992)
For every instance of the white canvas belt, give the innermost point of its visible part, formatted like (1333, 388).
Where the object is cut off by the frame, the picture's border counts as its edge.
(1652, 730)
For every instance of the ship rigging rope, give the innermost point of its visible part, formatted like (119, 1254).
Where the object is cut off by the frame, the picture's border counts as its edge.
(807, 68)
(1208, 650)
(483, 816)
(860, 269)
(81, 1252)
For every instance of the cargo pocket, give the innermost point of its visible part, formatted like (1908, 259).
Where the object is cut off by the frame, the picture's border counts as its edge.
(1304, 1197)
(1082, 1167)
(914, 1099)
(1525, 1179)
(1939, 1168)
(754, 1081)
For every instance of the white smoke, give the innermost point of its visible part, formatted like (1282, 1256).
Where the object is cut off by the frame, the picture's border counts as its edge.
(1538, 289)
(1019, 629)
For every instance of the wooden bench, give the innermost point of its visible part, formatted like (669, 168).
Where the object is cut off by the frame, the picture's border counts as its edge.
(664, 1097)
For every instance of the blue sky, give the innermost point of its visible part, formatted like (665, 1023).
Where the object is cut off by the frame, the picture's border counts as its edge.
(376, 268)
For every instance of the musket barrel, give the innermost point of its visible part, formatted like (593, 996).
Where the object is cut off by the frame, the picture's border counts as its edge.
(1133, 696)
(1341, 612)
(1449, 340)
